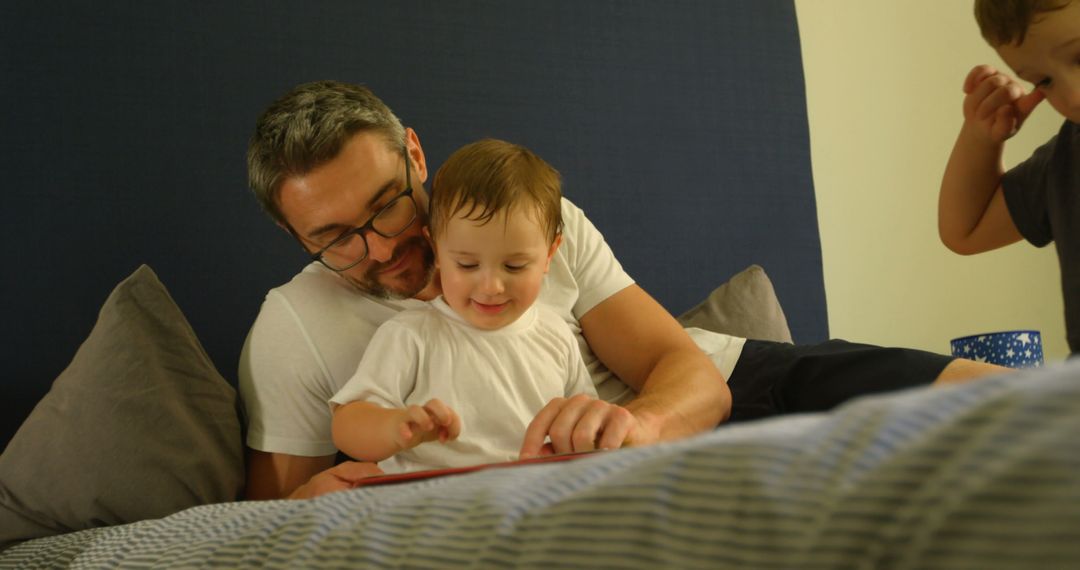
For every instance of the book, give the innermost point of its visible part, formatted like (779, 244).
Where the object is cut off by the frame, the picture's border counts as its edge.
(408, 476)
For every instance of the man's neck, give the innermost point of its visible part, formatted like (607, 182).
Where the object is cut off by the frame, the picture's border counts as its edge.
(434, 288)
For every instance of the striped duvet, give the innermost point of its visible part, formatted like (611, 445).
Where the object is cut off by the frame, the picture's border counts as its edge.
(979, 476)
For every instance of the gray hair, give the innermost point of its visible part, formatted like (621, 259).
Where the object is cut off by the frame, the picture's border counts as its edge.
(306, 128)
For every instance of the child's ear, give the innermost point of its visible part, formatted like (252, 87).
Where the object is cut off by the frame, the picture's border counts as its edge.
(427, 236)
(551, 251)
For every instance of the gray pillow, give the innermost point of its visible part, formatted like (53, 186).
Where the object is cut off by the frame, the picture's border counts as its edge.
(745, 306)
(140, 425)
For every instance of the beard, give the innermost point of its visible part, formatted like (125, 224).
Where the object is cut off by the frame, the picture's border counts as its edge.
(413, 279)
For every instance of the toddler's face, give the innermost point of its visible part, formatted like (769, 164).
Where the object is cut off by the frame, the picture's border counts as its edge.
(492, 271)
(1049, 58)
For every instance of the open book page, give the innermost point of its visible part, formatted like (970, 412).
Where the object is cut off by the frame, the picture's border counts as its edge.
(429, 473)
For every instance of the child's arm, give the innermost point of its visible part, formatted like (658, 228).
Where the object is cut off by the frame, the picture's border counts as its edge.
(369, 432)
(972, 215)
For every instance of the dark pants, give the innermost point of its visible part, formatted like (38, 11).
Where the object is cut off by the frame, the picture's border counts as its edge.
(772, 378)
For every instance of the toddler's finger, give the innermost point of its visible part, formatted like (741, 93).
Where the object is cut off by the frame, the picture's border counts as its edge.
(454, 428)
(1027, 103)
(1005, 123)
(978, 100)
(440, 411)
(405, 432)
(421, 418)
(1004, 96)
(976, 76)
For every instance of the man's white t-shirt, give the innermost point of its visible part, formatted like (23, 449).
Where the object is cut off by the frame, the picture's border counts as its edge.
(496, 380)
(311, 332)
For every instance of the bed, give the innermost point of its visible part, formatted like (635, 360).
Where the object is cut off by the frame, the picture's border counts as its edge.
(139, 261)
(979, 476)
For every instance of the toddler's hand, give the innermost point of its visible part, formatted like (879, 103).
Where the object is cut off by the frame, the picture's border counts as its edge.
(995, 104)
(432, 421)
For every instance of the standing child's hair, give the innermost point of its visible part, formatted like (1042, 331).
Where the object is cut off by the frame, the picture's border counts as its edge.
(1004, 22)
(489, 176)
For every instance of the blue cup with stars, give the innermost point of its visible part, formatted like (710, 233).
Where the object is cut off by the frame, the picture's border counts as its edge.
(1015, 349)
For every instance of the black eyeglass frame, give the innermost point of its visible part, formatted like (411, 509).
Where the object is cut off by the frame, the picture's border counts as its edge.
(370, 224)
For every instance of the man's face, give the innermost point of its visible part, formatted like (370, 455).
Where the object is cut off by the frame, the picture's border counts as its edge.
(492, 271)
(346, 192)
(1049, 58)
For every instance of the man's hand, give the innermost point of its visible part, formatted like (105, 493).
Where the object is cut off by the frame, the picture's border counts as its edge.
(432, 421)
(583, 423)
(995, 104)
(338, 478)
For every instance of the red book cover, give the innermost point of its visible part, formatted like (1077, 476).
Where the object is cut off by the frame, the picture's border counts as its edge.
(429, 473)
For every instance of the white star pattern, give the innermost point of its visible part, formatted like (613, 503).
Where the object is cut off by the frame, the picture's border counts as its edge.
(1016, 349)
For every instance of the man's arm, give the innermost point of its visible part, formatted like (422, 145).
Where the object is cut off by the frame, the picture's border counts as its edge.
(680, 391)
(279, 476)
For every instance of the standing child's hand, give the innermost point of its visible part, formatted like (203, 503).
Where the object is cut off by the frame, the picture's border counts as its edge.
(996, 104)
(432, 421)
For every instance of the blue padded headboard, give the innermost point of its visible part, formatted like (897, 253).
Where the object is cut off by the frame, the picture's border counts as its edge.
(679, 126)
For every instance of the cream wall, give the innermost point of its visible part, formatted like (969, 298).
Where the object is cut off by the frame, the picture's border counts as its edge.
(883, 82)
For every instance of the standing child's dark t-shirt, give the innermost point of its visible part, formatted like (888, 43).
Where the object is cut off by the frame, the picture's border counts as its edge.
(1043, 196)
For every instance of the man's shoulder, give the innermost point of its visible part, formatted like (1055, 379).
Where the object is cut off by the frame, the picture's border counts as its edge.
(415, 317)
(546, 313)
(571, 213)
(320, 291)
(577, 233)
(316, 280)
(313, 284)
(324, 311)
(550, 319)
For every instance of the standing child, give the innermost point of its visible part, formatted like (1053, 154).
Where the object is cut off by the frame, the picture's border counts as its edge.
(473, 368)
(982, 207)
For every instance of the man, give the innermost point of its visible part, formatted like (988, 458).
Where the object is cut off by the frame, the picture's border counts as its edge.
(329, 160)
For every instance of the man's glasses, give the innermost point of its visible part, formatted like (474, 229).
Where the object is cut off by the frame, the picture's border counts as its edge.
(351, 248)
